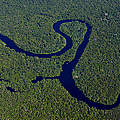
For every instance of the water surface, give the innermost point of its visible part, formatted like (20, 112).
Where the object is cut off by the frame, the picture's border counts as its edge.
(65, 77)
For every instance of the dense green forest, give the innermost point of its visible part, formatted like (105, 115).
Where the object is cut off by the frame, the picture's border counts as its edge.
(97, 73)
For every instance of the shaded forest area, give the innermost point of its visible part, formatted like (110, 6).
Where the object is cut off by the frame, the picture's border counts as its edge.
(29, 25)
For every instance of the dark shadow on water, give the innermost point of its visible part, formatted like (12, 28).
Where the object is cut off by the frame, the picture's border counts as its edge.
(11, 89)
(39, 78)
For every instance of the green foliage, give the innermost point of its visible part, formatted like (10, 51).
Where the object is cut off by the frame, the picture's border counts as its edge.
(96, 74)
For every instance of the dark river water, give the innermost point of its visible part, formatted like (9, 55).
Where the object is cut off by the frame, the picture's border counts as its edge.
(65, 77)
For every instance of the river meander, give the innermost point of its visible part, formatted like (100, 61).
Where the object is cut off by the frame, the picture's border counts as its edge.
(65, 77)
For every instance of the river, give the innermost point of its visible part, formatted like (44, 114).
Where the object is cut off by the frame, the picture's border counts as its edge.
(65, 77)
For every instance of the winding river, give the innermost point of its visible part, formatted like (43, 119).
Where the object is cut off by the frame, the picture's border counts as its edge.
(65, 77)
